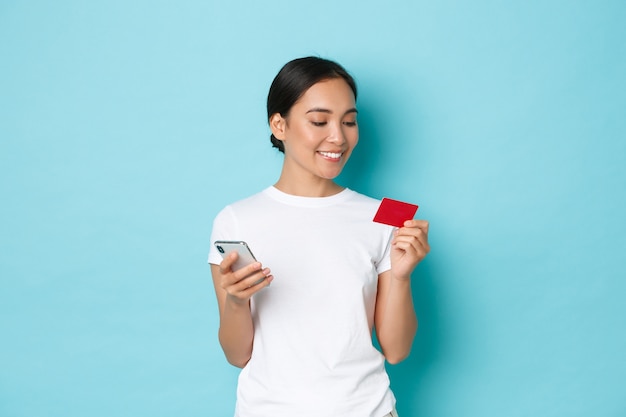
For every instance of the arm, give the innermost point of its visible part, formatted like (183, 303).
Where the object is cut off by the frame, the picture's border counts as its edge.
(233, 290)
(395, 318)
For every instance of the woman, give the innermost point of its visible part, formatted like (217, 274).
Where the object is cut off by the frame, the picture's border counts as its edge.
(305, 342)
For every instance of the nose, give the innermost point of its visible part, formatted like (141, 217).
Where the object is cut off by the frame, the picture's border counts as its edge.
(336, 134)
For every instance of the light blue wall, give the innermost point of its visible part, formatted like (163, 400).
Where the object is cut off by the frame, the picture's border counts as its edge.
(126, 125)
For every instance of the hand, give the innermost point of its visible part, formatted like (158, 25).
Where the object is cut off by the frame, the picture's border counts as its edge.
(242, 284)
(408, 247)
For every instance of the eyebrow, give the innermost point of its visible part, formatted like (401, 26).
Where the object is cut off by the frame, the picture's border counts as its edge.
(323, 110)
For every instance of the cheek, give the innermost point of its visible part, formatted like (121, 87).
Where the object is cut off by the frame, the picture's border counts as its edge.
(308, 132)
(299, 135)
(353, 136)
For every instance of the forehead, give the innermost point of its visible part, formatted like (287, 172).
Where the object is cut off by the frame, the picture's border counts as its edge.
(334, 94)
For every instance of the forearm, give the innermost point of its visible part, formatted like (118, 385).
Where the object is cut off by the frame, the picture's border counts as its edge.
(396, 324)
(236, 333)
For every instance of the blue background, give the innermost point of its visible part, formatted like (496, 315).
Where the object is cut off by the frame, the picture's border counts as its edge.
(126, 126)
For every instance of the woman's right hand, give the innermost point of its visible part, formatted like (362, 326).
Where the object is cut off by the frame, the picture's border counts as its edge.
(242, 284)
(233, 290)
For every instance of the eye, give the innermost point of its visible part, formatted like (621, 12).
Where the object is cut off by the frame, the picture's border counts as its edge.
(350, 123)
(314, 123)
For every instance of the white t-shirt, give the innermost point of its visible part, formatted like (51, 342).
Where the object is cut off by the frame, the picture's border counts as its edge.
(312, 353)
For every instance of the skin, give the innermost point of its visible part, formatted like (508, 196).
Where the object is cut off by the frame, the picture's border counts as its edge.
(323, 120)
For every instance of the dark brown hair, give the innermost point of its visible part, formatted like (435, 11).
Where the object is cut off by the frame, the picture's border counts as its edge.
(294, 79)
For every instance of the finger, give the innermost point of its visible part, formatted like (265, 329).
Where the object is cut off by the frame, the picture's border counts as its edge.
(417, 240)
(245, 288)
(413, 249)
(240, 284)
(250, 291)
(247, 270)
(415, 232)
(254, 279)
(234, 277)
(227, 263)
(416, 223)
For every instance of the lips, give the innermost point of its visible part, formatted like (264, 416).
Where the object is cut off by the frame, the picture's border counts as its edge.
(331, 155)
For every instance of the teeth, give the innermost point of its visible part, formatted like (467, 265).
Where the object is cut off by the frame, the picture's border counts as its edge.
(331, 155)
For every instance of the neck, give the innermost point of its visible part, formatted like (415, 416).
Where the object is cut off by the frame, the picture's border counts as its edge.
(312, 187)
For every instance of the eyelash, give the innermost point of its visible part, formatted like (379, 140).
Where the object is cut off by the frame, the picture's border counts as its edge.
(320, 124)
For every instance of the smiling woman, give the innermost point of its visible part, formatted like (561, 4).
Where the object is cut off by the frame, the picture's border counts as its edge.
(305, 344)
(318, 136)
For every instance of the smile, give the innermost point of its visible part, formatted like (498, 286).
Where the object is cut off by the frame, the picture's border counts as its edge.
(331, 155)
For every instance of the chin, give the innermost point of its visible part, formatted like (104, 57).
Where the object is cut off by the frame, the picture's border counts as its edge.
(331, 175)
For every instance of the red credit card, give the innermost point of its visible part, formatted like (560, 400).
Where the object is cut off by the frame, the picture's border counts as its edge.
(394, 212)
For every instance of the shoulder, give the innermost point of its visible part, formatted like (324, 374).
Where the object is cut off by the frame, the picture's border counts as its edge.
(362, 202)
(362, 198)
(247, 202)
(248, 207)
(227, 222)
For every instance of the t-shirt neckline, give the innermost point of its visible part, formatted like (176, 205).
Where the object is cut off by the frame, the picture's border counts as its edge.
(296, 200)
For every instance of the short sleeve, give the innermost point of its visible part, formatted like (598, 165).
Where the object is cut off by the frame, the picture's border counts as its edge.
(224, 228)
(385, 261)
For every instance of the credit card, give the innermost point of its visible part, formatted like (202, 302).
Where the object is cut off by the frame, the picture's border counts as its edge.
(394, 212)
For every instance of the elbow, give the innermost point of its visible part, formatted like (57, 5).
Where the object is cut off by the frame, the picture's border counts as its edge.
(397, 350)
(239, 363)
(238, 359)
(396, 353)
(234, 355)
(396, 358)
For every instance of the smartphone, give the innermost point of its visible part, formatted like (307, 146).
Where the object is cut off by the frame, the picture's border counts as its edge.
(225, 247)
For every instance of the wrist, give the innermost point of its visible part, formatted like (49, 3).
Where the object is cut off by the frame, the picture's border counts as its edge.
(405, 279)
(236, 304)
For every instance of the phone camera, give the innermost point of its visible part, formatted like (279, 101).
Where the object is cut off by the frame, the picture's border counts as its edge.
(221, 249)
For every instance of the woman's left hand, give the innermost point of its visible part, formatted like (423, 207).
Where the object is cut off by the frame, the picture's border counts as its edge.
(408, 247)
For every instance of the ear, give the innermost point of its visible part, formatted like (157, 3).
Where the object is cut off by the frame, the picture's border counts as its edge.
(278, 125)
